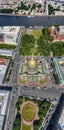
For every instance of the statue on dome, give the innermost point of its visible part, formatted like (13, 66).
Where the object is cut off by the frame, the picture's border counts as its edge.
(32, 62)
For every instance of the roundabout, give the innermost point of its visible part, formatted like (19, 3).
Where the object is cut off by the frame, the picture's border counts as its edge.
(28, 112)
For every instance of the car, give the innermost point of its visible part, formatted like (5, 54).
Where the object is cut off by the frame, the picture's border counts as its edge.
(45, 87)
(33, 88)
(47, 118)
(25, 86)
(46, 121)
(38, 87)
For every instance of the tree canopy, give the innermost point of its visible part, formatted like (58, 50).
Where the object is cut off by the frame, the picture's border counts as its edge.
(41, 46)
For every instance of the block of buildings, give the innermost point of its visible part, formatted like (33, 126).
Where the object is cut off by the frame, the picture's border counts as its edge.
(4, 65)
(57, 33)
(4, 102)
(9, 34)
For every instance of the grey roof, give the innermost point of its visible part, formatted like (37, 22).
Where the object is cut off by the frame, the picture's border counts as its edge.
(5, 94)
(1, 121)
(3, 69)
(6, 52)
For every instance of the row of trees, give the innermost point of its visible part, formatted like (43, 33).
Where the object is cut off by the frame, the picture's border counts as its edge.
(17, 122)
(9, 71)
(43, 108)
(6, 10)
(6, 57)
(7, 46)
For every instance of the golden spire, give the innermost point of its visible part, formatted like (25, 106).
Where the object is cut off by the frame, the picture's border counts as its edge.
(32, 62)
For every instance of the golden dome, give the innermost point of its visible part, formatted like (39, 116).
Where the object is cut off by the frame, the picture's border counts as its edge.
(32, 62)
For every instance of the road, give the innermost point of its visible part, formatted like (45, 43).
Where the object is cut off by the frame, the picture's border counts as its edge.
(11, 114)
(13, 80)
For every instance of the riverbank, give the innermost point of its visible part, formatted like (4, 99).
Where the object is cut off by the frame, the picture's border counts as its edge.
(42, 15)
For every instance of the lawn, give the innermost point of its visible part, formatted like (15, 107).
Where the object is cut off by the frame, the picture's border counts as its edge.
(26, 127)
(21, 80)
(36, 33)
(42, 81)
(28, 112)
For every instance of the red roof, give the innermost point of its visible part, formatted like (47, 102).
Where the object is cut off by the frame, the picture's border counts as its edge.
(56, 37)
(2, 61)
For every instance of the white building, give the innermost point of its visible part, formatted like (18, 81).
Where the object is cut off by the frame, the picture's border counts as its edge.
(10, 34)
(58, 7)
(5, 52)
(59, 13)
(61, 30)
(3, 70)
(4, 98)
(61, 121)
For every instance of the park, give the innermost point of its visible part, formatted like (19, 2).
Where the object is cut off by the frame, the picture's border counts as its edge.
(40, 43)
(30, 113)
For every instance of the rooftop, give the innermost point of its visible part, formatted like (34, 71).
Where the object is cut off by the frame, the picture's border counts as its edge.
(3, 69)
(61, 121)
(4, 96)
(9, 34)
(59, 66)
(57, 33)
(4, 52)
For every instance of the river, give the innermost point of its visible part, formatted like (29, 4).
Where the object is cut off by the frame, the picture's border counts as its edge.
(10, 20)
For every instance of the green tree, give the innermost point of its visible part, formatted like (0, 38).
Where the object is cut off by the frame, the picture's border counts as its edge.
(50, 9)
(23, 7)
(6, 10)
(27, 43)
(57, 48)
